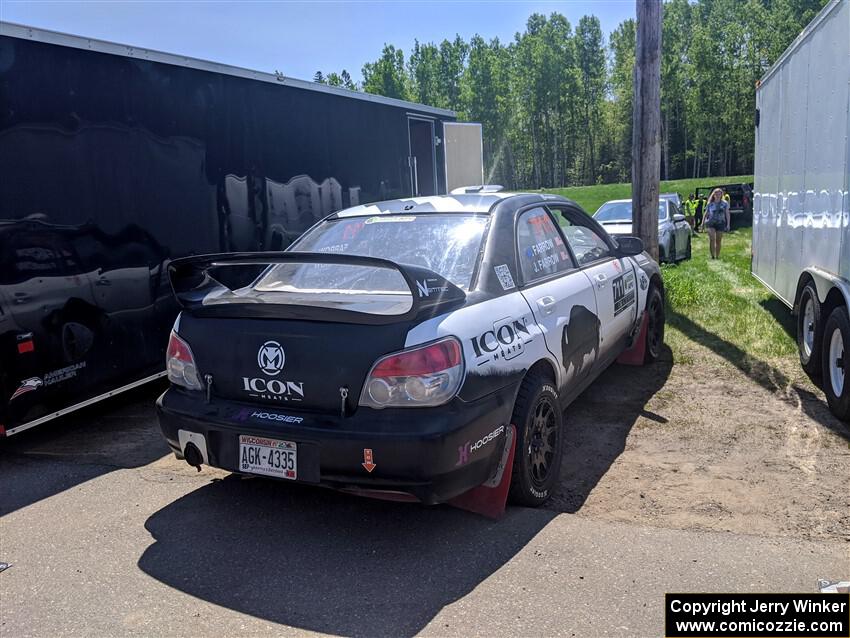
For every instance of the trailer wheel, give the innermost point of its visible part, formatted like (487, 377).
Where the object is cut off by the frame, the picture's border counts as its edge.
(810, 331)
(539, 447)
(836, 365)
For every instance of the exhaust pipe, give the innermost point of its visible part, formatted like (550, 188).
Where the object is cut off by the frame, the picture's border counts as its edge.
(193, 455)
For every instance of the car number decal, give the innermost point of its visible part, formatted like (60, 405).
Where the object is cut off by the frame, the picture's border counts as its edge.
(624, 292)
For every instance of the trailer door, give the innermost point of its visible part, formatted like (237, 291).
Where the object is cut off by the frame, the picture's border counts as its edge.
(423, 156)
(464, 154)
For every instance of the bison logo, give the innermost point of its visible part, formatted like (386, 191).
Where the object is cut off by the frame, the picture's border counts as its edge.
(581, 338)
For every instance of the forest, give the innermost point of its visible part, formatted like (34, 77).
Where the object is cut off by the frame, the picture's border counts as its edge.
(556, 102)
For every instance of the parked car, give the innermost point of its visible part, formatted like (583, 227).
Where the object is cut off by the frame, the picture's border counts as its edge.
(391, 348)
(740, 200)
(674, 232)
(673, 197)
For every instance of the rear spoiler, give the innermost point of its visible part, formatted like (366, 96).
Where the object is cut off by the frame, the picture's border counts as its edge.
(192, 281)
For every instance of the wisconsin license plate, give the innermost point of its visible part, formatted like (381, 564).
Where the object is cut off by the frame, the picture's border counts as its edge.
(269, 457)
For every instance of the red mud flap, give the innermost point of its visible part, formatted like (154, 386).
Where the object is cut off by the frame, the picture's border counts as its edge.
(634, 356)
(490, 498)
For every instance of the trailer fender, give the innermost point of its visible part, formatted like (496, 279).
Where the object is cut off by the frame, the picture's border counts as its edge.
(825, 283)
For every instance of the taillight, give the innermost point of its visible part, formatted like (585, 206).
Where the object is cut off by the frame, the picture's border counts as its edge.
(181, 364)
(424, 376)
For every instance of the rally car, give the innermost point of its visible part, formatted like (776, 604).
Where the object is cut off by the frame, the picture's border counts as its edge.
(396, 347)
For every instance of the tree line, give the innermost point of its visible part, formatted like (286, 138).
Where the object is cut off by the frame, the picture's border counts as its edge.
(556, 102)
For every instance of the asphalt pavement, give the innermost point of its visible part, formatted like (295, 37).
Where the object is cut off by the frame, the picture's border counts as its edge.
(109, 535)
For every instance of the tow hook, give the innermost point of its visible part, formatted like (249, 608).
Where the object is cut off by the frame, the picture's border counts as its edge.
(343, 395)
(193, 455)
(209, 379)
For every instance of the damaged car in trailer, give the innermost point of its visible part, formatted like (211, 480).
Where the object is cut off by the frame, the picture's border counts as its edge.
(413, 349)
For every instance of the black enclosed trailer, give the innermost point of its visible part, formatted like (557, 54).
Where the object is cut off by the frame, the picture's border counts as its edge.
(115, 160)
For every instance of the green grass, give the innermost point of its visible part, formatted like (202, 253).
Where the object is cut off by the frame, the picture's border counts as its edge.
(592, 197)
(717, 304)
(720, 305)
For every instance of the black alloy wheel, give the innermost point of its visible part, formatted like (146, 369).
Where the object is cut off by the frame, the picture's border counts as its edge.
(539, 446)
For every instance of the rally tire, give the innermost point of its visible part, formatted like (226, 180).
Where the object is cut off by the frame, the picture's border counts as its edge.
(654, 324)
(810, 327)
(835, 363)
(688, 248)
(672, 251)
(539, 445)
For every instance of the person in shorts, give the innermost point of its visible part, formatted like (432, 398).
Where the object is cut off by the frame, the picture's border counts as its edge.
(716, 221)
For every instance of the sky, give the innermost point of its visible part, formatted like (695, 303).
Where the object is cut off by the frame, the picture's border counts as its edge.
(296, 37)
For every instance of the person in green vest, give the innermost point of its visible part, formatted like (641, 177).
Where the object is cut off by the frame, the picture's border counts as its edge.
(689, 210)
(699, 209)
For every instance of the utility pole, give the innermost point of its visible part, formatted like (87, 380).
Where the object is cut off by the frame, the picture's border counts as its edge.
(646, 136)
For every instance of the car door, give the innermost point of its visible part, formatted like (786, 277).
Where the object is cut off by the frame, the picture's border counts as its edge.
(612, 278)
(681, 229)
(559, 294)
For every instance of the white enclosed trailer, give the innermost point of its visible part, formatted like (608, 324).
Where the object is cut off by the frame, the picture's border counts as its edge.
(801, 212)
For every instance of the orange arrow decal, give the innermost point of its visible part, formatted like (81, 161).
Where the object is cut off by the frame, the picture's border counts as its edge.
(367, 460)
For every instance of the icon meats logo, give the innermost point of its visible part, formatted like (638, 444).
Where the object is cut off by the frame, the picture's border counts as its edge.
(270, 359)
(505, 341)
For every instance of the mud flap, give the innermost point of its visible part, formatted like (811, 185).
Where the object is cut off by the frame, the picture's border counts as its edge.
(490, 498)
(634, 356)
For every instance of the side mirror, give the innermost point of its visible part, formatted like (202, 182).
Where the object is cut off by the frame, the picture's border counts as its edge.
(678, 217)
(630, 246)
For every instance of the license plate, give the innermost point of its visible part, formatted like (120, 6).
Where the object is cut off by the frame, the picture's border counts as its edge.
(269, 457)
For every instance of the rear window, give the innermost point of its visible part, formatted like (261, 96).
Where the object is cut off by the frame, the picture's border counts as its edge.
(371, 289)
(446, 244)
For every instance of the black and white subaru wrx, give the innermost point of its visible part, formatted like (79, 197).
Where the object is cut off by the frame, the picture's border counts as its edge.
(389, 350)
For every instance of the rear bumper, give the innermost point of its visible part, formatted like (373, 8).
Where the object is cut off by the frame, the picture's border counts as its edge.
(433, 454)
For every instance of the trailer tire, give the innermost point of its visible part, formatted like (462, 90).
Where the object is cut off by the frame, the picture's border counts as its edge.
(810, 331)
(836, 364)
(539, 423)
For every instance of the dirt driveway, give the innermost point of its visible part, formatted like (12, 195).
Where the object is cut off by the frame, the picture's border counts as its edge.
(722, 443)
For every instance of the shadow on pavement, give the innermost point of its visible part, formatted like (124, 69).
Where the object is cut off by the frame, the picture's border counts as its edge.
(598, 423)
(121, 432)
(767, 376)
(327, 562)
